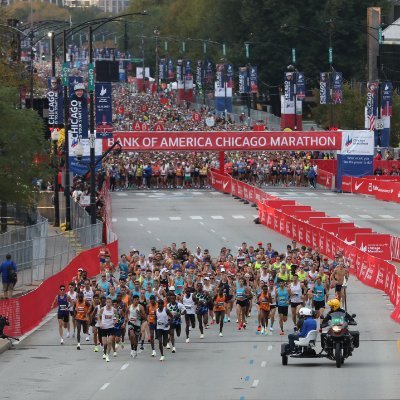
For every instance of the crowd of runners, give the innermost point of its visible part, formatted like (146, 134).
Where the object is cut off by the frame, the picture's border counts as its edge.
(174, 291)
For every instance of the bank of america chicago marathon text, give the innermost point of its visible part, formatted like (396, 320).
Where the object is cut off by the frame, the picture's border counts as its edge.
(175, 142)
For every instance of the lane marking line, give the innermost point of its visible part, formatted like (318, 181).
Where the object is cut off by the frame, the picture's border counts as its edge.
(153, 218)
(149, 232)
(141, 225)
(255, 383)
(158, 239)
(132, 219)
(269, 348)
(344, 216)
(114, 220)
(385, 216)
(175, 218)
(217, 217)
(366, 216)
(263, 364)
(125, 366)
(195, 217)
(105, 386)
(238, 217)
(212, 230)
(121, 194)
(223, 238)
(201, 223)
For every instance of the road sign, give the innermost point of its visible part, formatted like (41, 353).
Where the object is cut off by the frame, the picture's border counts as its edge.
(379, 124)
(91, 77)
(64, 74)
(137, 60)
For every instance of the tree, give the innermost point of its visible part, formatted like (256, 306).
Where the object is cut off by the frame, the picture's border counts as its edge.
(22, 151)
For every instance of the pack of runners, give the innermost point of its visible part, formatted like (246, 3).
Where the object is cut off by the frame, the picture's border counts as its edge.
(155, 297)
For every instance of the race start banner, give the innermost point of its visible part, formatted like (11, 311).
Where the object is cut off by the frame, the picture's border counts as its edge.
(221, 141)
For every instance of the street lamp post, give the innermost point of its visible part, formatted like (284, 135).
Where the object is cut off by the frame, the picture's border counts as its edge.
(248, 98)
(156, 35)
(330, 57)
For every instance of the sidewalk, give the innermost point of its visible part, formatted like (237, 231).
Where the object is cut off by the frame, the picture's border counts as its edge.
(4, 345)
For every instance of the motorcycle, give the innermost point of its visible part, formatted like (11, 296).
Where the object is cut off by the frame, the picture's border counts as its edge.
(337, 342)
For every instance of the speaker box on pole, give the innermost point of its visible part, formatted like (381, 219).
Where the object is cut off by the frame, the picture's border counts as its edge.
(107, 71)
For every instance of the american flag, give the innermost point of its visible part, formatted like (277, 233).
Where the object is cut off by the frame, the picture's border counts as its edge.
(371, 119)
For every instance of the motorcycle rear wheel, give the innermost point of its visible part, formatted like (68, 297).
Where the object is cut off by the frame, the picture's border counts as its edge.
(284, 359)
(338, 355)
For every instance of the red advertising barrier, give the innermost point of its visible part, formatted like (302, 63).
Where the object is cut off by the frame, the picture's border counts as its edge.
(306, 215)
(374, 244)
(26, 312)
(371, 270)
(333, 227)
(386, 164)
(395, 248)
(224, 140)
(325, 178)
(326, 165)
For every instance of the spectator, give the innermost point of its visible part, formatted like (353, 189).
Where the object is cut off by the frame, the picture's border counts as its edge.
(9, 277)
(311, 177)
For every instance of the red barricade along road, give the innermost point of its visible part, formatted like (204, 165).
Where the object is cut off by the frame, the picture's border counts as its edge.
(325, 178)
(27, 311)
(275, 214)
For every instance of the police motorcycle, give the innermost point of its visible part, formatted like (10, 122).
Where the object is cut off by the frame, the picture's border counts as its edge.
(337, 341)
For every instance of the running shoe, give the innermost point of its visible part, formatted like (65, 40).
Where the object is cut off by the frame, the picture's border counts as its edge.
(104, 356)
(132, 353)
(87, 338)
(162, 358)
(271, 329)
(201, 336)
(229, 320)
(153, 354)
(173, 350)
(62, 341)
(68, 334)
(266, 332)
(220, 334)
(116, 346)
(240, 327)
(281, 333)
(225, 320)
(141, 347)
(115, 354)
(187, 340)
(78, 346)
(212, 322)
(259, 329)
(122, 345)
(168, 346)
(107, 358)
(244, 325)
(237, 321)
(96, 349)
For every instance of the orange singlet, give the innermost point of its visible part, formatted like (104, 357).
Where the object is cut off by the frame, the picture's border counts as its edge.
(219, 303)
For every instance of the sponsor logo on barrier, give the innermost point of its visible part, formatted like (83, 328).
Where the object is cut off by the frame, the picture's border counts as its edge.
(225, 184)
(358, 185)
(351, 242)
(375, 244)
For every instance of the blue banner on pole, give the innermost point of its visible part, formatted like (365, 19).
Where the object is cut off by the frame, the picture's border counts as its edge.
(337, 95)
(243, 87)
(229, 72)
(372, 94)
(387, 98)
(324, 88)
(170, 68)
(188, 68)
(103, 108)
(220, 74)
(253, 80)
(209, 75)
(78, 115)
(289, 86)
(162, 69)
(199, 75)
(179, 71)
(54, 95)
(300, 85)
(73, 80)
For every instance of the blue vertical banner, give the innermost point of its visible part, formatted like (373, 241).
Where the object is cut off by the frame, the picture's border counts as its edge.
(73, 80)
(56, 110)
(162, 70)
(188, 68)
(289, 86)
(229, 73)
(372, 101)
(386, 99)
(220, 74)
(103, 107)
(170, 69)
(324, 88)
(253, 79)
(199, 75)
(209, 75)
(243, 87)
(179, 71)
(300, 85)
(337, 92)
(78, 117)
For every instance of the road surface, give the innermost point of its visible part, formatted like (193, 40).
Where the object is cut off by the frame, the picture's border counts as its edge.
(241, 365)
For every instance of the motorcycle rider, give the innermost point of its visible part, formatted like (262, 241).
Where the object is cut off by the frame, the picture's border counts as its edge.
(334, 304)
(309, 324)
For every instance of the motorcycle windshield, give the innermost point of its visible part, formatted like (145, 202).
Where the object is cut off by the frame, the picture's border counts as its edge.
(337, 318)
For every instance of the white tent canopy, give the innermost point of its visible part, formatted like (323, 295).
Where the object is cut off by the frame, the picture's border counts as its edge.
(391, 34)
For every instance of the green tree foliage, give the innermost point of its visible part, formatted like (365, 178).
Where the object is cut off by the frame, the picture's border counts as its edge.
(22, 149)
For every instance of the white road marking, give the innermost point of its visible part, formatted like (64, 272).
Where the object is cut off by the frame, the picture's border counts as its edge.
(365, 216)
(132, 219)
(310, 194)
(223, 238)
(195, 217)
(124, 367)
(158, 193)
(238, 217)
(214, 193)
(217, 217)
(255, 215)
(105, 386)
(141, 225)
(149, 232)
(263, 364)
(201, 223)
(212, 230)
(196, 193)
(175, 218)
(114, 220)
(275, 193)
(153, 219)
(269, 348)
(344, 216)
(329, 194)
(140, 194)
(158, 239)
(255, 383)
(384, 216)
(121, 194)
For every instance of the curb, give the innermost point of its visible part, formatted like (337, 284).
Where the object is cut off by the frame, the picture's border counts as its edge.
(4, 345)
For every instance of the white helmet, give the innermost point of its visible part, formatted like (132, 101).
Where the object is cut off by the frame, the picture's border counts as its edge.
(305, 312)
(79, 86)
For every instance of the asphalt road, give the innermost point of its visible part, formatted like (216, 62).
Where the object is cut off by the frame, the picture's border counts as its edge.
(241, 365)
